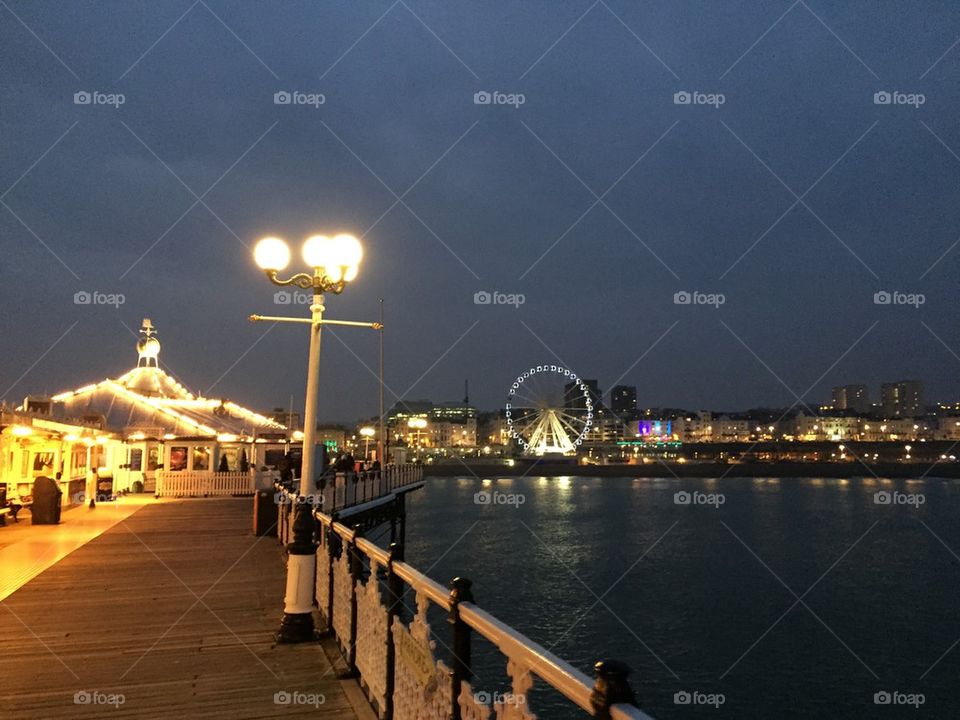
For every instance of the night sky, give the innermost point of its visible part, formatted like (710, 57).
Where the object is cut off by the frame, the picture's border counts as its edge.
(798, 198)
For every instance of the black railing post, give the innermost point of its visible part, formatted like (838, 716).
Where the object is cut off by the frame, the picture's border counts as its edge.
(459, 592)
(610, 687)
(394, 604)
(353, 557)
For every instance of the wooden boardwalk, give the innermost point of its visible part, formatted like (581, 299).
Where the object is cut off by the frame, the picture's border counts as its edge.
(173, 609)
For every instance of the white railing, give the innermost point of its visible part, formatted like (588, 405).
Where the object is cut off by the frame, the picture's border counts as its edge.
(340, 491)
(421, 685)
(396, 661)
(203, 483)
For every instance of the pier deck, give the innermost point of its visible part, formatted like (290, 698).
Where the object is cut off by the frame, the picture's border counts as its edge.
(173, 608)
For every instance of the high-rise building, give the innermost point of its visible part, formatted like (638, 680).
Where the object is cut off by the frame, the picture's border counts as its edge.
(902, 399)
(573, 397)
(623, 399)
(851, 397)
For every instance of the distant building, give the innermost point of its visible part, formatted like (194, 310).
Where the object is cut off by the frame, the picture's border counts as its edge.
(851, 397)
(623, 399)
(285, 417)
(573, 398)
(902, 399)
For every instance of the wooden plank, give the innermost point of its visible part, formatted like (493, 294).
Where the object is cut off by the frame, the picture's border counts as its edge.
(174, 609)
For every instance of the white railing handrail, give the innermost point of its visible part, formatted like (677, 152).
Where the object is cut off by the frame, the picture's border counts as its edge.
(567, 680)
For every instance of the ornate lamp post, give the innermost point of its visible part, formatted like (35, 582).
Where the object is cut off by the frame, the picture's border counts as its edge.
(334, 262)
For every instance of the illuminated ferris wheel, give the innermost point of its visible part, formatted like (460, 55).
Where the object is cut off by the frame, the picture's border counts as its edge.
(549, 410)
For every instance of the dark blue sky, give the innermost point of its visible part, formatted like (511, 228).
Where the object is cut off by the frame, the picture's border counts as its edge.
(98, 198)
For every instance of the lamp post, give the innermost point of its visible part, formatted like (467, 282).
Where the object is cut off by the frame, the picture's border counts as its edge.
(334, 262)
(417, 424)
(367, 433)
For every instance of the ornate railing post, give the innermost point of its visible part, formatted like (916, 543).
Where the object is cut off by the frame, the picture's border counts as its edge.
(354, 557)
(460, 662)
(610, 687)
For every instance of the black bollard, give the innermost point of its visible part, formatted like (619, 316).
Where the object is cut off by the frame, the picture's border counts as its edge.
(610, 687)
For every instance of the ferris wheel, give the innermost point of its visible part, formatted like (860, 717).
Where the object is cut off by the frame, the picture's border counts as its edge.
(549, 410)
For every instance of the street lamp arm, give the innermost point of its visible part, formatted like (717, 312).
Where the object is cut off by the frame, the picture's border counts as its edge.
(319, 282)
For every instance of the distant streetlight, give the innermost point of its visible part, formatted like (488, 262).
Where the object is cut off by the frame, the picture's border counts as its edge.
(367, 432)
(334, 261)
(417, 424)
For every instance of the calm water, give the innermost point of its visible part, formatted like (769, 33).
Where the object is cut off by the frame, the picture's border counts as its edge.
(708, 607)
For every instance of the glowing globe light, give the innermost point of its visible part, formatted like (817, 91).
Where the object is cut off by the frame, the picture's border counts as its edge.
(317, 251)
(272, 254)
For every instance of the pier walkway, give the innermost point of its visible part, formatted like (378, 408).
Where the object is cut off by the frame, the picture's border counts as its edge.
(169, 613)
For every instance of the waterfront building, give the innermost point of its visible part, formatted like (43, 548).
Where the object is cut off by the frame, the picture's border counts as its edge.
(153, 423)
(623, 399)
(903, 398)
(851, 397)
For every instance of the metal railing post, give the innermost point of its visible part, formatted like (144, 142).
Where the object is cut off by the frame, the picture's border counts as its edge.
(610, 687)
(460, 662)
(335, 543)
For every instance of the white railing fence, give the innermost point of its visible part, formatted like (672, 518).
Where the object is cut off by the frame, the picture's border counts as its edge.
(338, 491)
(202, 483)
(359, 590)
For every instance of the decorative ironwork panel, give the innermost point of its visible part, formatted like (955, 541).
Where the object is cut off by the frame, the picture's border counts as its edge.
(323, 573)
(372, 627)
(342, 588)
(422, 685)
(513, 706)
(472, 704)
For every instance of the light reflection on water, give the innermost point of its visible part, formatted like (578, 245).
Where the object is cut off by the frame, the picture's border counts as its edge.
(712, 584)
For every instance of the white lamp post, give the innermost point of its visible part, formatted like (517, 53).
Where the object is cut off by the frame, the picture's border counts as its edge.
(334, 262)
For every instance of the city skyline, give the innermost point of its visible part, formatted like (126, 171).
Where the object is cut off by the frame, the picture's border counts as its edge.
(728, 264)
